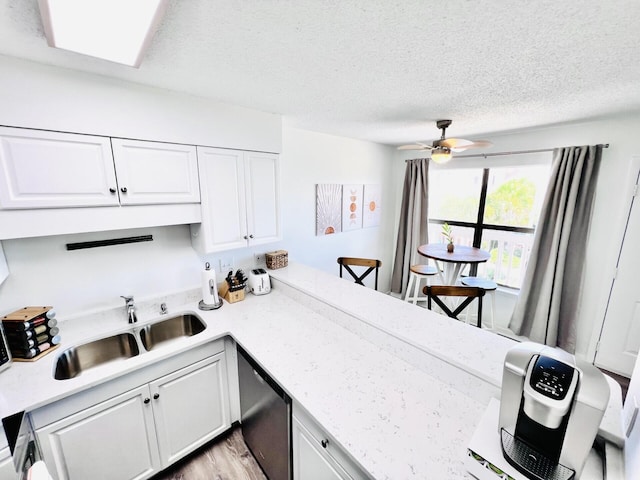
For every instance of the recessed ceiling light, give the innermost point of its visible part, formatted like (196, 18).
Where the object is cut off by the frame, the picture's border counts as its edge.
(115, 30)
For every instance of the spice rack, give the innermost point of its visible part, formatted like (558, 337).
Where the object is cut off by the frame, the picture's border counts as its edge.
(31, 333)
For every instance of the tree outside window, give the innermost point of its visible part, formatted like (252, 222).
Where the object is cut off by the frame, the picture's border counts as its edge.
(495, 209)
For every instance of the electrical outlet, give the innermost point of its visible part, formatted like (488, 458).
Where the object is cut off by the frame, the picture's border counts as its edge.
(259, 259)
(226, 264)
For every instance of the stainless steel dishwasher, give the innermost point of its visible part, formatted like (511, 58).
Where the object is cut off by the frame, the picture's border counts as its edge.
(265, 418)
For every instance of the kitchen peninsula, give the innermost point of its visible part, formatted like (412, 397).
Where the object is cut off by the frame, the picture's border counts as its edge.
(400, 389)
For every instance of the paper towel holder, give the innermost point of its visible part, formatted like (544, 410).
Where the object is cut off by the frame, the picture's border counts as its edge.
(213, 287)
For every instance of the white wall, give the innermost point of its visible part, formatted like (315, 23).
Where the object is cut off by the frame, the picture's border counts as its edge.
(610, 207)
(4, 268)
(39, 96)
(43, 272)
(310, 158)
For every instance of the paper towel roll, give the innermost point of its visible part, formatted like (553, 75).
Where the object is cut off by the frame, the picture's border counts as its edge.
(209, 286)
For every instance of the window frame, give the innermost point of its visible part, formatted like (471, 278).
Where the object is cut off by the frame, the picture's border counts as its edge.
(479, 226)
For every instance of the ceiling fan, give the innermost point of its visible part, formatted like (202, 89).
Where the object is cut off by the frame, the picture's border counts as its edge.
(441, 149)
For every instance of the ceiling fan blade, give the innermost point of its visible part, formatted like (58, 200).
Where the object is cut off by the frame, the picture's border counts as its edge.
(417, 146)
(460, 144)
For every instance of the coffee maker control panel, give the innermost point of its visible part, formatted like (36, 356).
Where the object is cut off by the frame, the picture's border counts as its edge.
(551, 377)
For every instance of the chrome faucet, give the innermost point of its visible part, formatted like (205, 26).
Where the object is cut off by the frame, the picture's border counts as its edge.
(131, 309)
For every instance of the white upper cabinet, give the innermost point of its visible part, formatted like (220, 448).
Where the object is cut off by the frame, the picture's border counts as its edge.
(41, 169)
(262, 196)
(240, 199)
(151, 172)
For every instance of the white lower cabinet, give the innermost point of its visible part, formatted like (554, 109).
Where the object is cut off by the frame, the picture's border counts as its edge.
(140, 432)
(315, 456)
(190, 407)
(114, 439)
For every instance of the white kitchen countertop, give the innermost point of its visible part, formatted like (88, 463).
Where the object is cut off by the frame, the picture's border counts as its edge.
(396, 418)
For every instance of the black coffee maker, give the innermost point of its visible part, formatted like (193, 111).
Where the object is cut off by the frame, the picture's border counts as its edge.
(550, 411)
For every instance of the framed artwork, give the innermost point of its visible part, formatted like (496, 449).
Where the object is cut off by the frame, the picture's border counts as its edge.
(328, 209)
(351, 207)
(372, 206)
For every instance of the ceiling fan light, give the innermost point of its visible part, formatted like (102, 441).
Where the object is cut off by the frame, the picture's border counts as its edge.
(440, 155)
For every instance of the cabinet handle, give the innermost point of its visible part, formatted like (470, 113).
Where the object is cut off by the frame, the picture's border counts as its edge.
(246, 238)
(112, 190)
(156, 396)
(147, 400)
(324, 443)
(123, 189)
(250, 236)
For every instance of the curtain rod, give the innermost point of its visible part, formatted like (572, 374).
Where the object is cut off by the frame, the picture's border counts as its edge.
(519, 152)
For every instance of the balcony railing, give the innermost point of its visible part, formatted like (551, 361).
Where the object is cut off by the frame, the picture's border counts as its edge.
(510, 252)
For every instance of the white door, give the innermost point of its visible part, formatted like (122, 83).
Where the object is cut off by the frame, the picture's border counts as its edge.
(115, 439)
(191, 406)
(153, 173)
(224, 222)
(620, 336)
(42, 169)
(262, 180)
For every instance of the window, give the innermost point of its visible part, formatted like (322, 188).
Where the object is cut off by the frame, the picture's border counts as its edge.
(495, 208)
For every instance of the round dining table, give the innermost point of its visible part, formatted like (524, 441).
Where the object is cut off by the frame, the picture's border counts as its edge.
(453, 262)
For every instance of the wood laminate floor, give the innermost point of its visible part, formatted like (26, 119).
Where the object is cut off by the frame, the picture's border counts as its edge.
(226, 458)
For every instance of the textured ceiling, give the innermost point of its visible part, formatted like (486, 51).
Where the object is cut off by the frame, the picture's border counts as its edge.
(382, 70)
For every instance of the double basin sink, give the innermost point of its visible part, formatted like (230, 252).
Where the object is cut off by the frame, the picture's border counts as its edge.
(75, 360)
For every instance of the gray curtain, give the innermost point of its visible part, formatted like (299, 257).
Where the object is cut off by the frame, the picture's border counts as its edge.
(545, 311)
(412, 228)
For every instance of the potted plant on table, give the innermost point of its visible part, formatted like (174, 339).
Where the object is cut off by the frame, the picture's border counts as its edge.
(447, 233)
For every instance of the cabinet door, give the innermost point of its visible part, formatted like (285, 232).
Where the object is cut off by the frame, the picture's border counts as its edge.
(40, 169)
(224, 223)
(263, 199)
(152, 172)
(310, 462)
(112, 440)
(191, 406)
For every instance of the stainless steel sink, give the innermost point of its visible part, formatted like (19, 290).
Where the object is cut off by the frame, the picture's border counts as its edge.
(73, 361)
(157, 333)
